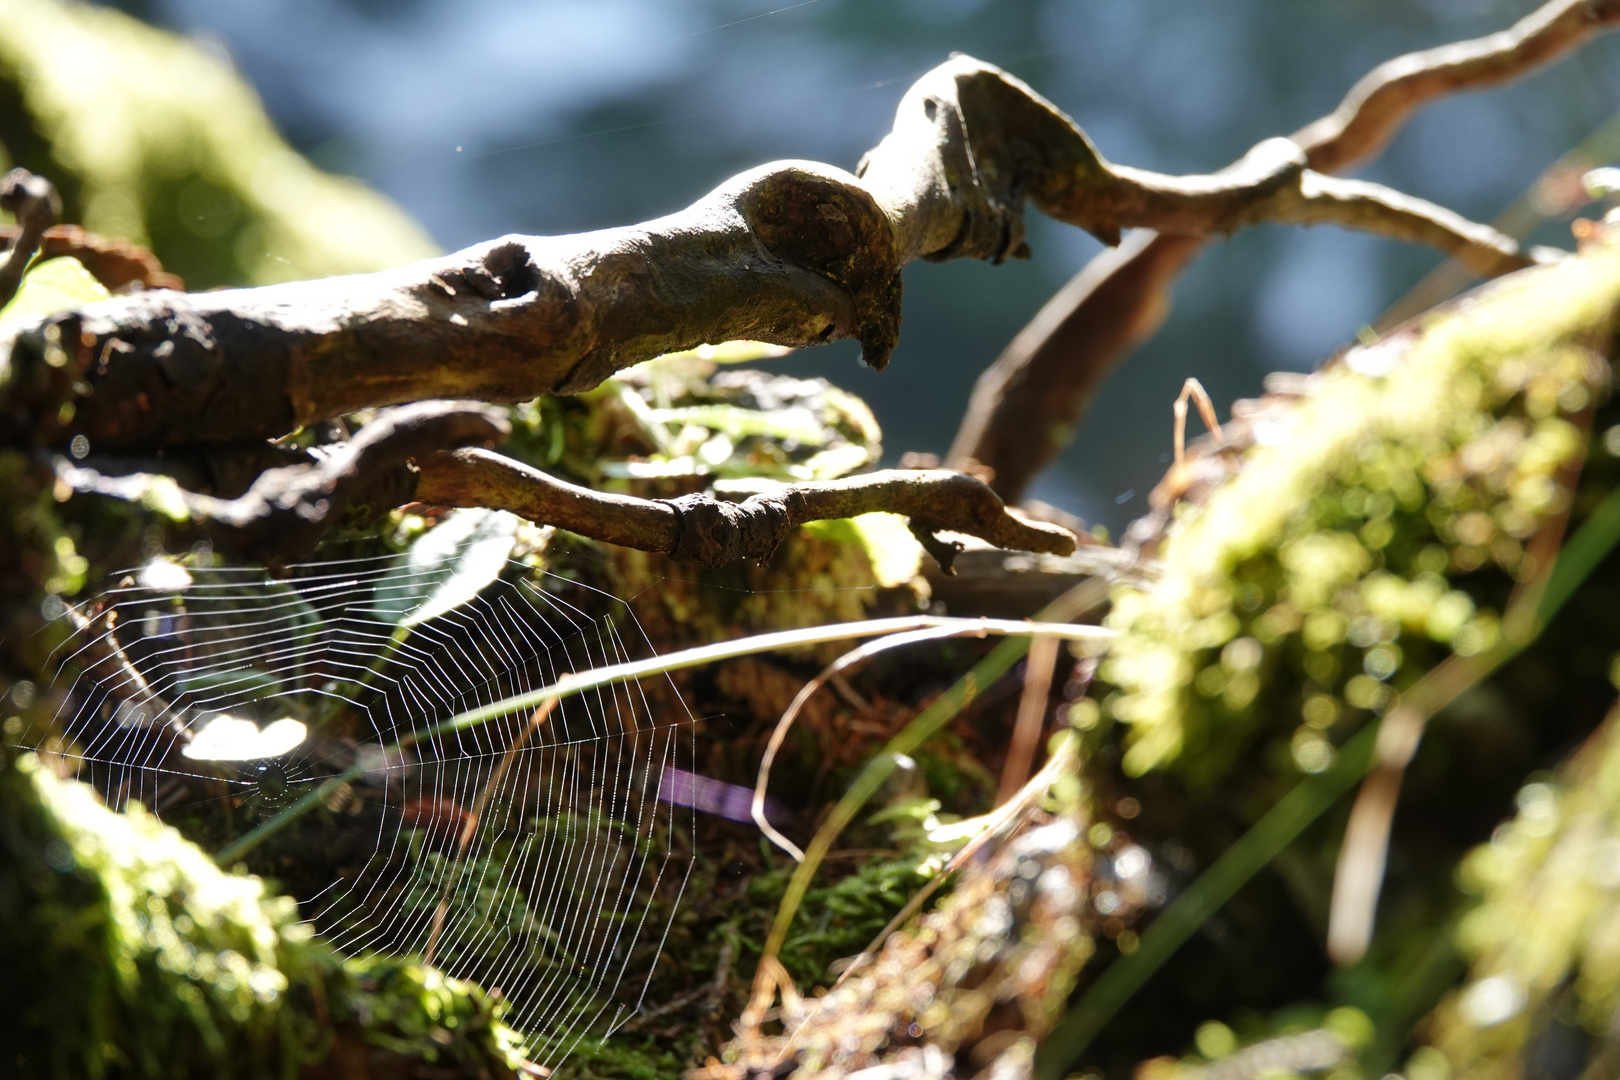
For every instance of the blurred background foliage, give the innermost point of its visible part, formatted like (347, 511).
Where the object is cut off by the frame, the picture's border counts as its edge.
(483, 117)
(153, 140)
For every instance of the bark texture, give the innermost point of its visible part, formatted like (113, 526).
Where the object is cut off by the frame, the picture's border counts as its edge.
(795, 253)
(700, 528)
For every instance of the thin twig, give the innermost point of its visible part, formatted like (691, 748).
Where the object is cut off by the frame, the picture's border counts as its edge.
(1376, 107)
(701, 528)
(1043, 653)
(1193, 389)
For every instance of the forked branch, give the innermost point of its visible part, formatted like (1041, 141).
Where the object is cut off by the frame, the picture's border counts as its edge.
(1026, 405)
(794, 253)
(402, 457)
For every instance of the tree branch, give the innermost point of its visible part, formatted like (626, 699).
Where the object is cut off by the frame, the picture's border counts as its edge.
(283, 516)
(1026, 406)
(117, 264)
(700, 528)
(1376, 106)
(794, 253)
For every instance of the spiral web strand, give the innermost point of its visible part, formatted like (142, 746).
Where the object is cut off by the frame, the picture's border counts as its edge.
(531, 852)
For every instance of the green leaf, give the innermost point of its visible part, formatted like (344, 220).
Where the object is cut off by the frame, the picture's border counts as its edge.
(894, 553)
(446, 566)
(739, 423)
(51, 286)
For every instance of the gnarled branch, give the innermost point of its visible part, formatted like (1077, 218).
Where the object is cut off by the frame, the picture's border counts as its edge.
(794, 253)
(283, 516)
(117, 264)
(1376, 106)
(701, 528)
(1026, 406)
(410, 453)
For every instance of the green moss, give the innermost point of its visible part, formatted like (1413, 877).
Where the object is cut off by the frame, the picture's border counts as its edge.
(672, 423)
(129, 953)
(1555, 867)
(979, 978)
(1379, 529)
(414, 1012)
(841, 919)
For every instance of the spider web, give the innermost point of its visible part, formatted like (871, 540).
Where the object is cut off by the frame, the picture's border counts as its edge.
(530, 852)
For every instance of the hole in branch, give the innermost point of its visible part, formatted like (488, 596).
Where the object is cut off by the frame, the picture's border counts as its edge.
(511, 266)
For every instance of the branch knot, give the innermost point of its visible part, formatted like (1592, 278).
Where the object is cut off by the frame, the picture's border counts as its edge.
(716, 533)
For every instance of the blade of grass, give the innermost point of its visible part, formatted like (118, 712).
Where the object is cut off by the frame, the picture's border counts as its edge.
(1189, 911)
(729, 650)
(1083, 597)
